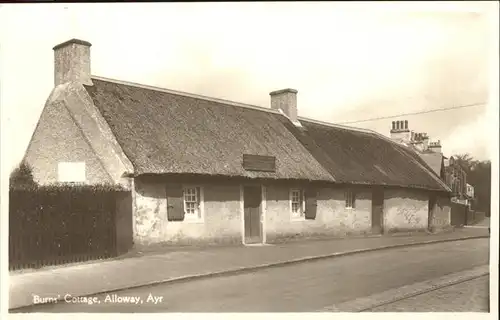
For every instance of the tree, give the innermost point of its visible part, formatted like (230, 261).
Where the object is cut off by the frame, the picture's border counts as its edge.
(22, 176)
(479, 176)
(466, 161)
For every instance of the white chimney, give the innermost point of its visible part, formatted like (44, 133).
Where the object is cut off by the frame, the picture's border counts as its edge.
(286, 101)
(425, 142)
(435, 146)
(72, 62)
(400, 131)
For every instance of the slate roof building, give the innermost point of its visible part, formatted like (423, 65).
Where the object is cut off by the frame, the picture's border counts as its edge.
(430, 152)
(448, 169)
(203, 169)
(456, 178)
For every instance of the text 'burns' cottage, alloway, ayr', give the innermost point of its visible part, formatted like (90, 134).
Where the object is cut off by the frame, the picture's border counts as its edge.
(211, 170)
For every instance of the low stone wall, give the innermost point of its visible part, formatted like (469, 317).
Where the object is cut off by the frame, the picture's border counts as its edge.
(458, 214)
(441, 217)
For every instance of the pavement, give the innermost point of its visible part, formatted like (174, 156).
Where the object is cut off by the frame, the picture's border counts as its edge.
(485, 223)
(182, 265)
(372, 277)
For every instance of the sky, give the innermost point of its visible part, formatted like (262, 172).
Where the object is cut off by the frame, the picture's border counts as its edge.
(348, 61)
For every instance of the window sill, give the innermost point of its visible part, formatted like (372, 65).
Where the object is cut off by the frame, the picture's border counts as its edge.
(193, 220)
(297, 219)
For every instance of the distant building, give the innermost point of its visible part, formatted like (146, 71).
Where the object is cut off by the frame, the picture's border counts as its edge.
(456, 179)
(470, 195)
(470, 191)
(430, 152)
(447, 169)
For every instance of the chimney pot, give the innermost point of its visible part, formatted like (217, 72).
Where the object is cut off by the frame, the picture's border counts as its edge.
(72, 62)
(406, 124)
(399, 133)
(286, 101)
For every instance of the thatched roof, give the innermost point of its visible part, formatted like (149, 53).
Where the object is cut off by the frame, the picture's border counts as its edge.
(167, 132)
(365, 157)
(162, 132)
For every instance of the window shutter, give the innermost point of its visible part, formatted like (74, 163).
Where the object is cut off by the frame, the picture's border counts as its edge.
(175, 202)
(353, 199)
(198, 199)
(303, 201)
(311, 204)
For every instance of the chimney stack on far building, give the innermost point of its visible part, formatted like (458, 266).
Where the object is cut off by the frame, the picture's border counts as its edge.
(400, 131)
(72, 62)
(286, 101)
(425, 141)
(421, 141)
(435, 146)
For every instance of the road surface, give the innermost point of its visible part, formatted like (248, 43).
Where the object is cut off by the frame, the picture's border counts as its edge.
(309, 287)
(468, 296)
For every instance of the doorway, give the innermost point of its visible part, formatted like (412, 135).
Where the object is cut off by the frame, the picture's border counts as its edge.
(378, 211)
(252, 198)
(432, 209)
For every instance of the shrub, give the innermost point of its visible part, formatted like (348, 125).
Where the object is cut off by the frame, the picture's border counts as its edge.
(22, 176)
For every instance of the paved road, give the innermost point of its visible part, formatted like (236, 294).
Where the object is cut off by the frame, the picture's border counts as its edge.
(301, 287)
(469, 296)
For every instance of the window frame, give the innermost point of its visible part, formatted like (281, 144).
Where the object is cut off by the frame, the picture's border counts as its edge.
(302, 205)
(199, 215)
(350, 199)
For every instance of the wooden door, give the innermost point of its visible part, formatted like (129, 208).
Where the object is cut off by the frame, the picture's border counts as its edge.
(175, 202)
(252, 200)
(311, 204)
(378, 211)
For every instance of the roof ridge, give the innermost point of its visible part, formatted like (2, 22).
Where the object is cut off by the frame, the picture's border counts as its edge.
(369, 131)
(187, 94)
(336, 125)
(228, 102)
(380, 136)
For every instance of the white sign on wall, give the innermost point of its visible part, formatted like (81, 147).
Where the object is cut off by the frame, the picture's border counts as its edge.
(71, 172)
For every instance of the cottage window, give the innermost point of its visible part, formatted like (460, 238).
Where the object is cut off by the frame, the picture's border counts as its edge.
(192, 203)
(350, 199)
(297, 203)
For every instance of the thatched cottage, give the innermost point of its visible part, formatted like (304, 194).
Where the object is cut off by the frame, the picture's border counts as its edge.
(211, 170)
